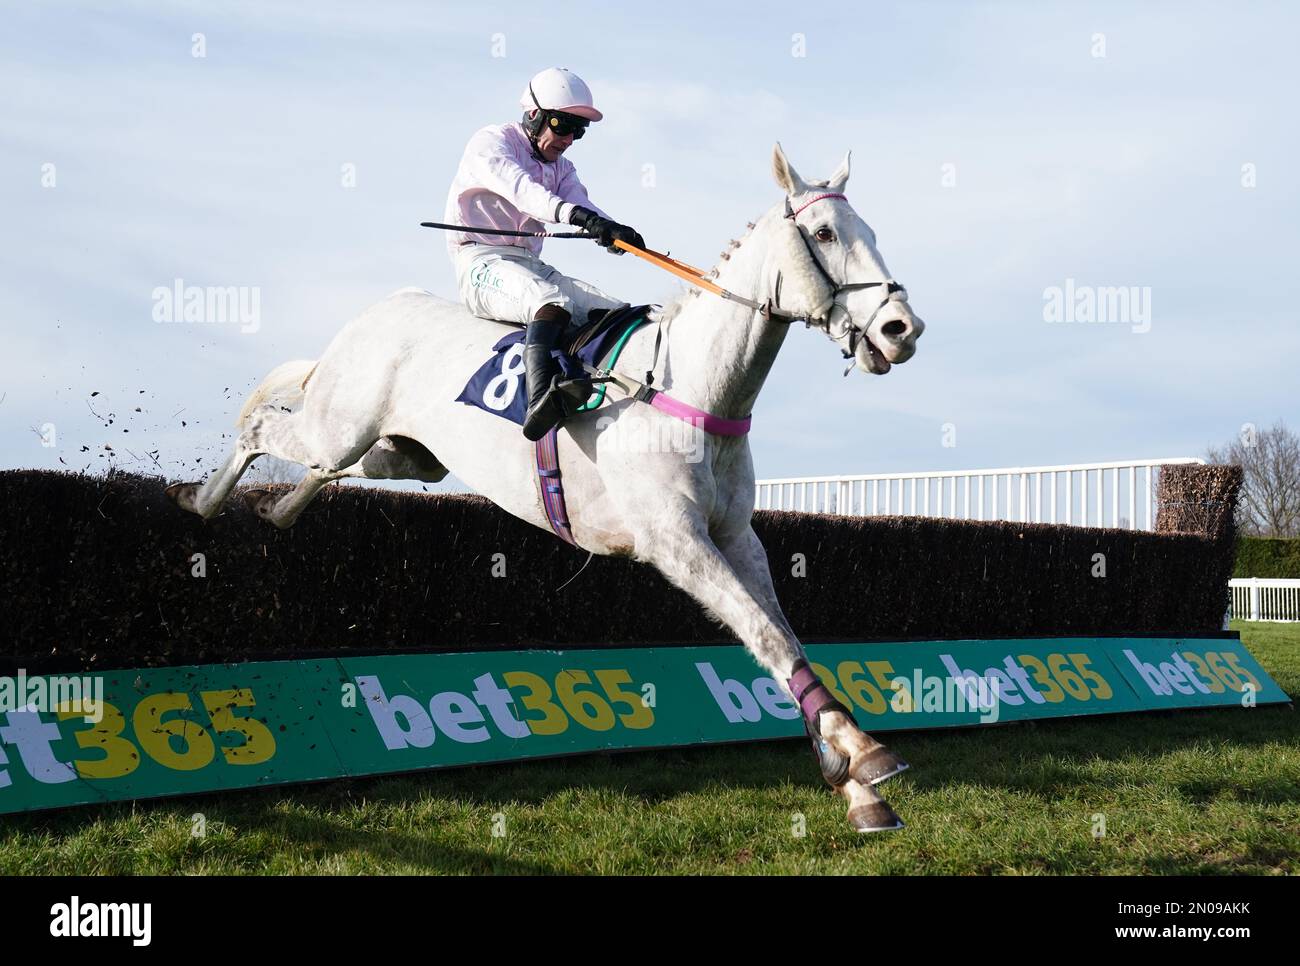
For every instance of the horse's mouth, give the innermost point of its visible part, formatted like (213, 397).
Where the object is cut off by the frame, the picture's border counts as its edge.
(877, 364)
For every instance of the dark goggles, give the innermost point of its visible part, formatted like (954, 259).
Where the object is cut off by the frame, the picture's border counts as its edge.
(565, 124)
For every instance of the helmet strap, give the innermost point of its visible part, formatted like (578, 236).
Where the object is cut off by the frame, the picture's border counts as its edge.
(532, 138)
(533, 125)
(538, 121)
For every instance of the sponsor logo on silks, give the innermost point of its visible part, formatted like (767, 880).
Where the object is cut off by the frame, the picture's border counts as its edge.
(482, 276)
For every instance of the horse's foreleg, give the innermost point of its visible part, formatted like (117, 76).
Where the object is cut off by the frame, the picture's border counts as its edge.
(860, 757)
(690, 560)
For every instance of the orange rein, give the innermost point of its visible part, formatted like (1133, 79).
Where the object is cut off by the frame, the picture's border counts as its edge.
(688, 272)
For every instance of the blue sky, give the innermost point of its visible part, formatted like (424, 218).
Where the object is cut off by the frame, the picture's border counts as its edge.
(225, 170)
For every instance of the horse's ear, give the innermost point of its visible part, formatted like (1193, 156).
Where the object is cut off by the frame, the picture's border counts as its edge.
(787, 178)
(841, 176)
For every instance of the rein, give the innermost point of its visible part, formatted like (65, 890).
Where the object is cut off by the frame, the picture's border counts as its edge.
(695, 276)
(766, 309)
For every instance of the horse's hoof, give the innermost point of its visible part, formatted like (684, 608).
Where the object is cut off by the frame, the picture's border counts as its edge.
(876, 817)
(182, 494)
(878, 765)
(260, 502)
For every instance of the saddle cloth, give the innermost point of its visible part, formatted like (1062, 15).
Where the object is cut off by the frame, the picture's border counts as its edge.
(498, 385)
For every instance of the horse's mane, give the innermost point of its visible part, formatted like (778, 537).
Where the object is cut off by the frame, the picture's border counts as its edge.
(674, 305)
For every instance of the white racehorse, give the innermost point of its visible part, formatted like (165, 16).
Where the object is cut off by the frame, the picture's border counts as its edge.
(379, 404)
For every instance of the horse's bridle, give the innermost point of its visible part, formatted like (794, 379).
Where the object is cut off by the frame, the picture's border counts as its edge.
(768, 310)
(855, 332)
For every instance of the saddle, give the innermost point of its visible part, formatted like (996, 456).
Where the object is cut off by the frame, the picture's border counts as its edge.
(497, 385)
(599, 321)
(497, 388)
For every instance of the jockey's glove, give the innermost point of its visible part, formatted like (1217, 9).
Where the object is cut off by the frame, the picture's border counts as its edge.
(605, 231)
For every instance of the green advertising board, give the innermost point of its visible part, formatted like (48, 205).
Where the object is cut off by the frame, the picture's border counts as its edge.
(182, 730)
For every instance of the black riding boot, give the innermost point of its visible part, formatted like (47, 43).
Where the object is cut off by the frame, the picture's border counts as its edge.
(549, 398)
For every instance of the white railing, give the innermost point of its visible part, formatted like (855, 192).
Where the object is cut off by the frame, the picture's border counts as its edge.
(1265, 599)
(1118, 494)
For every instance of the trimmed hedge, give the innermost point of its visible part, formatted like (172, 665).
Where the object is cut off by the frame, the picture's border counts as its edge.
(1192, 498)
(98, 572)
(1268, 557)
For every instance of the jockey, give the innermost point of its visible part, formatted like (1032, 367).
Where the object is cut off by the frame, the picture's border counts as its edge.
(515, 176)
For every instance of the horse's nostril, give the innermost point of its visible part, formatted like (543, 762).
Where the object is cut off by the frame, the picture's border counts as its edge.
(894, 329)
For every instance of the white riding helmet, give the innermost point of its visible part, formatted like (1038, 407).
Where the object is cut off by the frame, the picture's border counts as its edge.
(560, 89)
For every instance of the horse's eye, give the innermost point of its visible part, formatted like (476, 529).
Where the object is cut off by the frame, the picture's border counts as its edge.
(824, 235)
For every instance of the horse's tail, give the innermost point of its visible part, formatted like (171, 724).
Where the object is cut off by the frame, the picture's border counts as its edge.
(286, 384)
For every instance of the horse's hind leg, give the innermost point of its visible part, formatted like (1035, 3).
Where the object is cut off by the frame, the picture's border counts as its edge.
(277, 433)
(206, 498)
(283, 509)
(262, 432)
(390, 458)
(282, 435)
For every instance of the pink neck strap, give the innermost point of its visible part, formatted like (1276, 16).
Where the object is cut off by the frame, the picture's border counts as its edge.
(706, 421)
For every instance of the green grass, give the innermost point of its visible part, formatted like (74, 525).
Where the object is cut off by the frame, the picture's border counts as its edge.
(1182, 792)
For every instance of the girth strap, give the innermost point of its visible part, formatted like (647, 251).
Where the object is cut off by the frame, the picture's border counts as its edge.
(552, 487)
